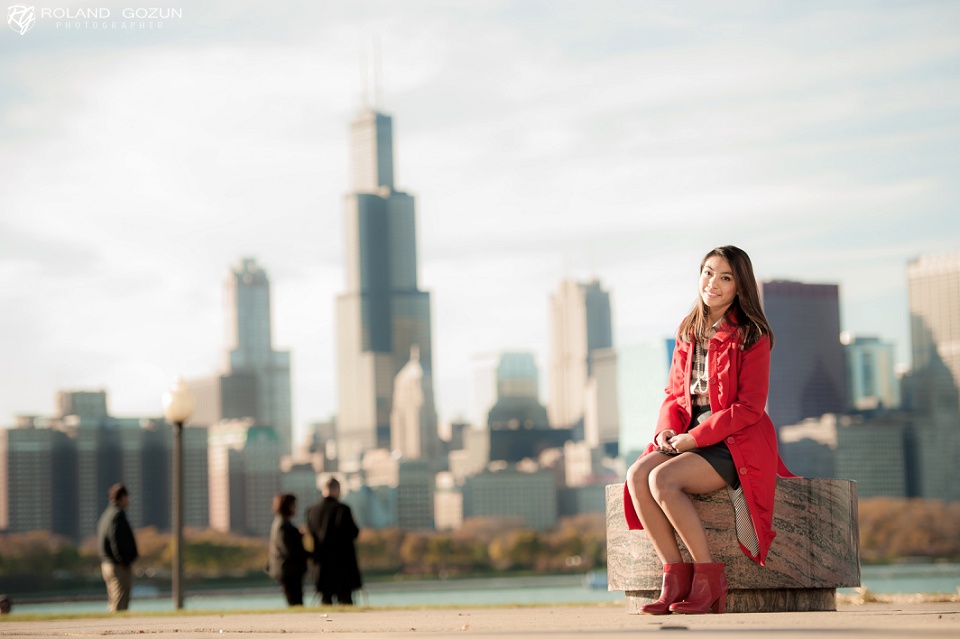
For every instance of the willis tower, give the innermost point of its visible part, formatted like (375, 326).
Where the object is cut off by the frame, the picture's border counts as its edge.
(382, 316)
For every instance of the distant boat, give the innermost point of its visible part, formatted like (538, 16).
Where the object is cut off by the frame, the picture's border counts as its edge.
(596, 580)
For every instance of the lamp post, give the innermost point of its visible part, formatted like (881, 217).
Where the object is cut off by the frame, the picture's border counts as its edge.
(178, 405)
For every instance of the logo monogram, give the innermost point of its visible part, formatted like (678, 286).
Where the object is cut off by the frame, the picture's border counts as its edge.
(21, 18)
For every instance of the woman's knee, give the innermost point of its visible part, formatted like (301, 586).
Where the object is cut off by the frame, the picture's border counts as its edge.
(662, 480)
(637, 477)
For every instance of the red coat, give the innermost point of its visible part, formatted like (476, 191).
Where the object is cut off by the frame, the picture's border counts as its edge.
(739, 380)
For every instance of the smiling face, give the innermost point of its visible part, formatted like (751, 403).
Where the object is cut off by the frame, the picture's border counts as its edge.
(717, 286)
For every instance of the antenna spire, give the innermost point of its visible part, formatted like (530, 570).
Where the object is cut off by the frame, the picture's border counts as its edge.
(371, 73)
(377, 75)
(364, 80)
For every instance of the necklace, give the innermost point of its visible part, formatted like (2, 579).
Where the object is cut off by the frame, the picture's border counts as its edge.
(701, 368)
(699, 386)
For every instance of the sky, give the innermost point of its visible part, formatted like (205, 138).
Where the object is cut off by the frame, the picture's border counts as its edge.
(142, 159)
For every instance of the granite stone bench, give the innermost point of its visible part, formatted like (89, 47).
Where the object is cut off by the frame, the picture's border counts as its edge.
(816, 550)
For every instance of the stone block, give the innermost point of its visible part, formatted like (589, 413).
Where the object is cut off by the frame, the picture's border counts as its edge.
(816, 550)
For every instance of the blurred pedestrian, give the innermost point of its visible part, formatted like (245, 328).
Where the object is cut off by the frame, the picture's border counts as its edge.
(118, 549)
(287, 559)
(336, 573)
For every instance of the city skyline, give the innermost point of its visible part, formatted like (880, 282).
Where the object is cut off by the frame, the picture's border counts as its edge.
(542, 143)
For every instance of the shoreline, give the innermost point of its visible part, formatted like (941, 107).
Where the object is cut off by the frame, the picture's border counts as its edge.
(860, 595)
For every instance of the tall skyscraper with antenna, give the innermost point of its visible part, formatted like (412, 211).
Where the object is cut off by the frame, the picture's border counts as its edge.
(250, 351)
(254, 380)
(382, 314)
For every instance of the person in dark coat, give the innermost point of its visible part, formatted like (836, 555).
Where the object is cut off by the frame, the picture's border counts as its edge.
(286, 557)
(331, 523)
(118, 549)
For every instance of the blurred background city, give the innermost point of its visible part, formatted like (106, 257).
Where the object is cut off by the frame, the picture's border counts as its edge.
(440, 251)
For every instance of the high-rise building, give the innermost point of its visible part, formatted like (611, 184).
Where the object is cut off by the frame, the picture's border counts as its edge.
(601, 416)
(931, 390)
(581, 325)
(447, 503)
(99, 466)
(244, 476)
(807, 370)
(809, 449)
(300, 479)
(517, 402)
(83, 404)
(517, 424)
(484, 392)
(877, 455)
(933, 287)
(254, 382)
(382, 313)
(64, 466)
(529, 498)
(517, 376)
(413, 420)
(871, 376)
(250, 348)
(415, 489)
(37, 491)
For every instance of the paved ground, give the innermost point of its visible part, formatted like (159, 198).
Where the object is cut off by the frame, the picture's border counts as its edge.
(917, 621)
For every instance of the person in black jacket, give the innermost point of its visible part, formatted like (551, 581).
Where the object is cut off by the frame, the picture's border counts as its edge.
(331, 523)
(118, 549)
(287, 559)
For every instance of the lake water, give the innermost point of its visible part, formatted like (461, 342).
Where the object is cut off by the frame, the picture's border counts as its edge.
(570, 589)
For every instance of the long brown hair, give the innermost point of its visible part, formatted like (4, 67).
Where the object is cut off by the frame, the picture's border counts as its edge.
(283, 504)
(746, 311)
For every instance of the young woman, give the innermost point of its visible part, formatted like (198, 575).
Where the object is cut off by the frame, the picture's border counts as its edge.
(287, 559)
(713, 432)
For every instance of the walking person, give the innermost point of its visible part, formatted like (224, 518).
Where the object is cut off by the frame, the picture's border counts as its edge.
(331, 523)
(286, 557)
(712, 432)
(118, 549)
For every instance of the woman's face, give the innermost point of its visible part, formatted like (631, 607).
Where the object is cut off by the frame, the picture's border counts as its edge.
(717, 287)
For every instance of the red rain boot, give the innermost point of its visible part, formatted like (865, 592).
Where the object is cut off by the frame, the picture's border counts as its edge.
(676, 587)
(708, 591)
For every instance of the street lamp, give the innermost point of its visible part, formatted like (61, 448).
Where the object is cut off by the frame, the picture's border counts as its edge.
(178, 405)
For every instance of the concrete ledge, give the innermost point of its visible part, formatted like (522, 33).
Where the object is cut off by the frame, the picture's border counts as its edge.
(816, 550)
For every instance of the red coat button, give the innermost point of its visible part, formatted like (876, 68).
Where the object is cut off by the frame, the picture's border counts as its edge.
(743, 471)
(729, 440)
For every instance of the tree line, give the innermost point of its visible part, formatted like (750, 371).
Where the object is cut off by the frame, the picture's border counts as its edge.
(890, 529)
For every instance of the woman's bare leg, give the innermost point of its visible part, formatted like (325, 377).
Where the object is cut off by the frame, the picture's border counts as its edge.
(652, 516)
(671, 486)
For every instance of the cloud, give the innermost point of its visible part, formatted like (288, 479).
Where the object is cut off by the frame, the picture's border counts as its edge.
(542, 141)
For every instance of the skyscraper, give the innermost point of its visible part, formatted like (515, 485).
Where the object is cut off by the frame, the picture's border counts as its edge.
(250, 348)
(871, 379)
(932, 389)
(933, 284)
(582, 368)
(518, 425)
(255, 382)
(382, 313)
(807, 374)
(413, 420)
(244, 476)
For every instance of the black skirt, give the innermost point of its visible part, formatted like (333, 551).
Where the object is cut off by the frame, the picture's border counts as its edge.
(717, 455)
